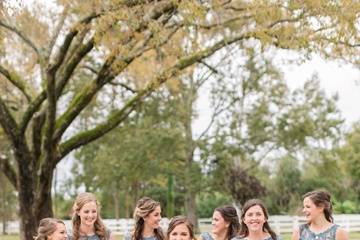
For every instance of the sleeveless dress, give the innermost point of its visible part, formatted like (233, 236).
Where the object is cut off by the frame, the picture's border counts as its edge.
(306, 234)
(128, 237)
(268, 238)
(92, 237)
(207, 236)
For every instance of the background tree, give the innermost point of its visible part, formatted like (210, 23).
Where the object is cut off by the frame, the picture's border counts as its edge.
(44, 51)
(265, 120)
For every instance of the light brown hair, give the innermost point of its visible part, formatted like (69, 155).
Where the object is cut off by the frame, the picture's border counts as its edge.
(80, 201)
(143, 208)
(47, 226)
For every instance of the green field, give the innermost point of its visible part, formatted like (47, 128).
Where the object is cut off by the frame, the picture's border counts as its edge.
(352, 236)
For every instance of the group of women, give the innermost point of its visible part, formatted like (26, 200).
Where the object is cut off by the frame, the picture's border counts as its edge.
(226, 225)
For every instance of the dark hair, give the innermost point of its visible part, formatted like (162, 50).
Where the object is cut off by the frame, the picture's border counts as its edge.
(177, 220)
(244, 231)
(230, 215)
(143, 208)
(47, 226)
(321, 198)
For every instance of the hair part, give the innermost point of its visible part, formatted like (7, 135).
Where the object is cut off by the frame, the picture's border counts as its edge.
(230, 215)
(80, 201)
(321, 198)
(177, 220)
(143, 208)
(47, 226)
(244, 231)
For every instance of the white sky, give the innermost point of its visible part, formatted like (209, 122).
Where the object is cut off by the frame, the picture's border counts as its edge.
(335, 77)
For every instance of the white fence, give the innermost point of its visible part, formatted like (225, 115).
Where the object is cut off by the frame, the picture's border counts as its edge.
(280, 224)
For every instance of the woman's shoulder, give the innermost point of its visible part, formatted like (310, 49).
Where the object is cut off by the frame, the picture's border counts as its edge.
(341, 233)
(206, 236)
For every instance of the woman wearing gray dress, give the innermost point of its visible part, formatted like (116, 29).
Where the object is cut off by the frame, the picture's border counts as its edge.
(147, 216)
(86, 220)
(318, 213)
(225, 224)
(254, 222)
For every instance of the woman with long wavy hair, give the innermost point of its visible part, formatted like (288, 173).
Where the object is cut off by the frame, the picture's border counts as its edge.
(147, 216)
(86, 220)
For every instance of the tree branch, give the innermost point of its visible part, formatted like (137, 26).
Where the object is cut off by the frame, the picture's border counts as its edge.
(117, 117)
(22, 36)
(8, 170)
(33, 107)
(124, 86)
(16, 81)
(7, 121)
(57, 31)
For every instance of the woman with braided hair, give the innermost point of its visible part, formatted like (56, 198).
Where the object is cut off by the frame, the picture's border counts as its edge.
(319, 221)
(147, 216)
(51, 229)
(225, 224)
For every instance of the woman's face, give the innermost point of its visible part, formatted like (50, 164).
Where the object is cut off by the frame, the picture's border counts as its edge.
(310, 210)
(153, 219)
(254, 219)
(180, 232)
(59, 234)
(219, 225)
(88, 213)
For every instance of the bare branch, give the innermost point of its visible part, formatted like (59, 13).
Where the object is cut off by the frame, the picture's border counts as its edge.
(213, 69)
(124, 86)
(16, 81)
(222, 24)
(57, 31)
(22, 36)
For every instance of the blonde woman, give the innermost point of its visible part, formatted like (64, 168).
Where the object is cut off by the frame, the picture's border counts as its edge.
(51, 229)
(147, 216)
(86, 220)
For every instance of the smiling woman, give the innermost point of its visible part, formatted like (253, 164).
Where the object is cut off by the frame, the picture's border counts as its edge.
(86, 220)
(147, 216)
(225, 224)
(51, 229)
(318, 214)
(254, 222)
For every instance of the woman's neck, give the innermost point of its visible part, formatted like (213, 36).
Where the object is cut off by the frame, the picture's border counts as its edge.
(320, 223)
(221, 236)
(148, 231)
(86, 230)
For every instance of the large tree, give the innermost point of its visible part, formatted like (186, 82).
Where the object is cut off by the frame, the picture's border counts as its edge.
(45, 52)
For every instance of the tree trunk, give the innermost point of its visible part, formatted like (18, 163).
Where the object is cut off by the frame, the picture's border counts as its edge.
(4, 223)
(116, 203)
(190, 206)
